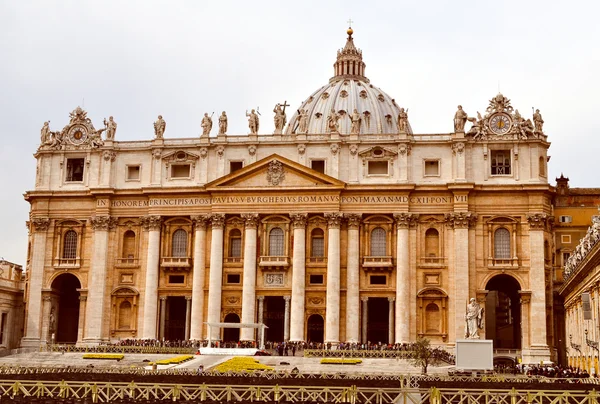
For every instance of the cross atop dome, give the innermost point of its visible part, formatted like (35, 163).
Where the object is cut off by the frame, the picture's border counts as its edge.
(349, 63)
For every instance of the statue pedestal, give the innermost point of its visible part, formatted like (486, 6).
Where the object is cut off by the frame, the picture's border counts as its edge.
(458, 135)
(475, 354)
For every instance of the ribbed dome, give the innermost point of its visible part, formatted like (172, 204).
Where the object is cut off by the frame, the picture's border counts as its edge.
(347, 90)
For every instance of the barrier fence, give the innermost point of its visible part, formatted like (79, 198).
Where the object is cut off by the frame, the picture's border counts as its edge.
(108, 392)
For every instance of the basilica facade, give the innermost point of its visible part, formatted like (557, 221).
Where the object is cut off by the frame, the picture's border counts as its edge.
(344, 225)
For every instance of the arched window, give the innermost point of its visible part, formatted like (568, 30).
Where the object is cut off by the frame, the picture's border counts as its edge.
(502, 243)
(432, 318)
(432, 243)
(125, 315)
(317, 243)
(276, 246)
(378, 244)
(70, 245)
(129, 244)
(179, 244)
(235, 243)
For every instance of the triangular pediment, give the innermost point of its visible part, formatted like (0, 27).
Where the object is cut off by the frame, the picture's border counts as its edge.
(275, 172)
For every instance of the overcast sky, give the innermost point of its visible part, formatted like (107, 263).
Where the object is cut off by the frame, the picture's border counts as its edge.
(137, 59)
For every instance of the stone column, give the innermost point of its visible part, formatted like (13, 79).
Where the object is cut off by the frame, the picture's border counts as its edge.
(163, 317)
(261, 305)
(460, 221)
(46, 336)
(286, 319)
(525, 332)
(537, 283)
(402, 323)
(197, 314)
(249, 286)
(188, 316)
(391, 301)
(353, 278)
(298, 277)
(215, 280)
(97, 283)
(364, 318)
(332, 315)
(81, 322)
(152, 224)
(39, 227)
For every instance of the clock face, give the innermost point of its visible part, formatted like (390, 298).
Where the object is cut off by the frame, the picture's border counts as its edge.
(77, 134)
(500, 124)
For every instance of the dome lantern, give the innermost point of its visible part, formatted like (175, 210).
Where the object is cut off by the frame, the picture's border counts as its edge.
(349, 63)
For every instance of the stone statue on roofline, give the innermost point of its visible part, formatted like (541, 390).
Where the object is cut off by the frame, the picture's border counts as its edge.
(333, 122)
(159, 127)
(402, 120)
(110, 127)
(538, 122)
(355, 120)
(302, 121)
(460, 118)
(206, 124)
(280, 118)
(223, 123)
(253, 121)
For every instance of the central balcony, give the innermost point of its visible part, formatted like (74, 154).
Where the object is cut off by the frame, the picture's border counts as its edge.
(378, 262)
(176, 262)
(279, 262)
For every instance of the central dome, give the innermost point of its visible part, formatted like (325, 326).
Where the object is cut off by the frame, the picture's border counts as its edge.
(348, 89)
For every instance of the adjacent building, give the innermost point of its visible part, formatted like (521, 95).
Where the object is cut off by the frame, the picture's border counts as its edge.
(345, 224)
(11, 306)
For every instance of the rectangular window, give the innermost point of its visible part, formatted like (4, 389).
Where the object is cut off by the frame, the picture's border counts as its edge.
(565, 219)
(378, 280)
(500, 162)
(75, 170)
(133, 173)
(315, 279)
(432, 168)
(318, 165)
(565, 257)
(565, 238)
(378, 168)
(2, 327)
(235, 165)
(177, 279)
(233, 278)
(180, 171)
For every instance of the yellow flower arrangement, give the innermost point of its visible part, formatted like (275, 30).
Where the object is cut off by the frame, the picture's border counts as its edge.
(340, 361)
(241, 364)
(175, 361)
(103, 356)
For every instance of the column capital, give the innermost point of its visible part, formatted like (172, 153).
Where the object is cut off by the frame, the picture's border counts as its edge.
(188, 298)
(353, 219)
(287, 299)
(525, 296)
(200, 221)
(260, 298)
(151, 222)
(391, 299)
(460, 220)
(217, 220)
(163, 298)
(364, 299)
(405, 220)
(83, 298)
(538, 221)
(333, 219)
(250, 220)
(39, 224)
(46, 298)
(104, 223)
(299, 220)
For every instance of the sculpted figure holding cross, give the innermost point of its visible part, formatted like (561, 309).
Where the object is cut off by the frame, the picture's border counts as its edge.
(280, 118)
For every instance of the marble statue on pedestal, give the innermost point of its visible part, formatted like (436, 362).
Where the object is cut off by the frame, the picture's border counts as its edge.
(473, 319)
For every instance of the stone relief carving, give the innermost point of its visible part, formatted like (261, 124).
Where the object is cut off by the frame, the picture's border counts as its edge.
(315, 301)
(404, 149)
(217, 220)
(200, 221)
(353, 149)
(250, 220)
(353, 220)
(537, 221)
(151, 222)
(299, 220)
(233, 299)
(275, 173)
(110, 128)
(40, 223)
(274, 279)
(301, 148)
(253, 122)
(223, 123)
(203, 152)
(252, 150)
(333, 122)
(220, 150)
(103, 222)
(460, 220)
(109, 155)
(458, 148)
(159, 127)
(206, 124)
(157, 153)
(333, 219)
(334, 148)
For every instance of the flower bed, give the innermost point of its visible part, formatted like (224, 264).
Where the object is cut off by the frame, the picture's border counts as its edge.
(241, 364)
(340, 361)
(175, 361)
(104, 356)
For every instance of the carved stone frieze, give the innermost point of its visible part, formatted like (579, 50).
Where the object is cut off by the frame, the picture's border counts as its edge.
(301, 148)
(220, 150)
(274, 279)
(299, 220)
(252, 150)
(334, 148)
(203, 152)
(232, 299)
(405, 220)
(103, 222)
(200, 221)
(151, 223)
(353, 149)
(275, 173)
(353, 220)
(40, 223)
(109, 155)
(157, 153)
(315, 301)
(333, 219)
(250, 220)
(404, 149)
(537, 221)
(458, 148)
(217, 220)
(460, 220)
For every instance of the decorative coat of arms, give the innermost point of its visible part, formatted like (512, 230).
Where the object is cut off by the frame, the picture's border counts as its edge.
(275, 173)
(78, 133)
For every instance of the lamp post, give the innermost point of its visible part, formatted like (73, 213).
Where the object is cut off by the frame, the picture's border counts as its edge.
(576, 347)
(593, 345)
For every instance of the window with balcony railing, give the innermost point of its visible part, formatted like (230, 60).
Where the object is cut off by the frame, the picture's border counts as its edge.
(179, 243)
(502, 253)
(235, 243)
(317, 242)
(276, 242)
(378, 242)
(70, 245)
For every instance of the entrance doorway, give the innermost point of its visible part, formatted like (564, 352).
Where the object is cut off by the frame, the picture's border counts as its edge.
(175, 319)
(66, 314)
(231, 334)
(315, 328)
(378, 320)
(503, 312)
(273, 316)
